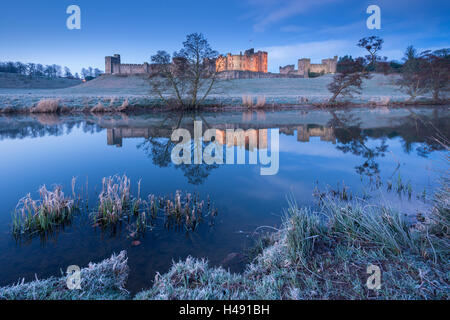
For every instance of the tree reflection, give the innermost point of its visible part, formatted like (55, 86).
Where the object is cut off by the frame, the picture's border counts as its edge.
(160, 150)
(351, 138)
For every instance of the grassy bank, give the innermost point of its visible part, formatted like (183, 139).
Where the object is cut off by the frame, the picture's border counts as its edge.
(132, 93)
(325, 255)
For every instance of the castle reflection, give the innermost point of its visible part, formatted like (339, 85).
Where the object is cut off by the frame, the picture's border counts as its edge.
(259, 137)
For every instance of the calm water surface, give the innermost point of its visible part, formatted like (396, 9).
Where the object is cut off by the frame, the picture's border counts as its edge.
(317, 148)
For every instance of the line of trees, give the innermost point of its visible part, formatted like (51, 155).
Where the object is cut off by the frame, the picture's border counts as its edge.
(48, 71)
(427, 72)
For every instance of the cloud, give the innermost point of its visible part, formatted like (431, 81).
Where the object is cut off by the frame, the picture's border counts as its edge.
(316, 50)
(274, 11)
(293, 29)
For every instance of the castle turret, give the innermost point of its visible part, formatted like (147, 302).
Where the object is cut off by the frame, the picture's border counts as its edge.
(304, 66)
(112, 64)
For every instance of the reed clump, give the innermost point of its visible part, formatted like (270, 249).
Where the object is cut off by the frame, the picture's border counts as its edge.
(116, 204)
(184, 210)
(114, 200)
(51, 209)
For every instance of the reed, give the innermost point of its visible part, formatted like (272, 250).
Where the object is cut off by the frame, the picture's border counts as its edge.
(51, 209)
(114, 200)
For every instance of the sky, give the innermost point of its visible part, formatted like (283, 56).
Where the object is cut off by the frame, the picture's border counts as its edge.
(36, 31)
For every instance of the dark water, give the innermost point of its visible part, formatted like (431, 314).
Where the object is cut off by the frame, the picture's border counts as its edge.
(357, 148)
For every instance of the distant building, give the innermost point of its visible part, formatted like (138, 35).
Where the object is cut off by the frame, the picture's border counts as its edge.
(249, 61)
(305, 67)
(113, 65)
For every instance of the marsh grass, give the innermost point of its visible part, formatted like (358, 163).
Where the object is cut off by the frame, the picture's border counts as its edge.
(114, 200)
(116, 206)
(180, 211)
(40, 216)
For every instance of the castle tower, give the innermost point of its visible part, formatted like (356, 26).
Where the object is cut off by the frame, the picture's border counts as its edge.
(112, 64)
(304, 66)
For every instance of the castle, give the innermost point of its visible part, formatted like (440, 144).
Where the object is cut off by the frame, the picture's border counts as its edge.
(305, 67)
(113, 65)
(249, 61)
(249, 65)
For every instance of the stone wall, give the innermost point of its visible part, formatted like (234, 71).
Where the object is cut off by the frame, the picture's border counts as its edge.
(288, 69)
(305, 67)
(236, 74)
(327, 66)
(249, 61)
(113, 65)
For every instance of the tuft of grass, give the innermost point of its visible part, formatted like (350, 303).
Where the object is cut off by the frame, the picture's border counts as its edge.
(114, 200)
(46, 106)
(52, 209)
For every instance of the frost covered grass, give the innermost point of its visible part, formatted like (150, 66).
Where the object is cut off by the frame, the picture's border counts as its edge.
(116, 204)
(324, 255)
(110, 93)
(52, 209)
(114, 200)
(99, 281)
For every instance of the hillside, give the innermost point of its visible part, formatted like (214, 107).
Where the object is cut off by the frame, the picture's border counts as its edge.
(19, 81)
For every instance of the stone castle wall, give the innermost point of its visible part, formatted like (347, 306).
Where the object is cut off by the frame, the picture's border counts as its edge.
(249, 61)
(249, 65)
(305, 67)
(113, 65)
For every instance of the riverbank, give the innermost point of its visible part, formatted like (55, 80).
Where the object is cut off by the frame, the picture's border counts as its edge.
(321, 254)
(55, 106)
(132, 94)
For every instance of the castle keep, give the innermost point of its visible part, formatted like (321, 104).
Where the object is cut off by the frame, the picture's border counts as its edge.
(305, 67)
(249, 61)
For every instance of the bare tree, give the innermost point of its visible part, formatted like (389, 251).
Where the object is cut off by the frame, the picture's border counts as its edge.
(189, 76)
(349, 80)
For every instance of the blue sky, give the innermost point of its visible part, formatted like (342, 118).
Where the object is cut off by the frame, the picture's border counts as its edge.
(35, 31)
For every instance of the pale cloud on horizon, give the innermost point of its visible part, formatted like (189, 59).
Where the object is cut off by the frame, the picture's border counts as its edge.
(275, 11)
(317, 50)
